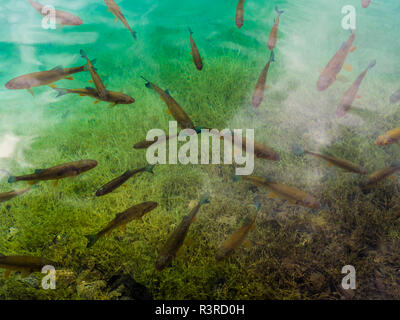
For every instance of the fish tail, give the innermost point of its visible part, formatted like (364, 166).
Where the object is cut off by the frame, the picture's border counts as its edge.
(60, 92)
(148, 84)
(272, 57)
(149, 168)
(205, 198)
(190, 31)
(83, 54)
(134, 33)
(372, 64)
(277, 10)
(12, 179)
(92, 238)
(257, 203)
(236, 178)
(297, 150)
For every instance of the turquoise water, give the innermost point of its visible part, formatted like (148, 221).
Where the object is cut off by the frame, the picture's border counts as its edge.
(41, 131)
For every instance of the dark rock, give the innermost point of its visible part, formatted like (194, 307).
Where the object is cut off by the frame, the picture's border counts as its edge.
(128, 288)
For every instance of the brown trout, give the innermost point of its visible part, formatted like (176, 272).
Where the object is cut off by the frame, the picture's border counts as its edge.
(195, 52)
(5, 196)
(122, 219)
(62, 18)
(42, 78)
(240, 14)
(71, 169)
(96, 78)
(173, 107)
(117, 182)
(24, 264)
(389, 137)
(273, 35)
(116, 11)
(258, 94)
(335, 65)
(176, 239)
(290, 194)
(378, 176)
(113, 97)
(351, 93)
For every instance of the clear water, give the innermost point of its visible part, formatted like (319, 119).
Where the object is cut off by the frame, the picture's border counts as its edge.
(41, 131)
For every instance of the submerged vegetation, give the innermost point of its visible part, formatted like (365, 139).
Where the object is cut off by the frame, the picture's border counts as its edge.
(294, 252)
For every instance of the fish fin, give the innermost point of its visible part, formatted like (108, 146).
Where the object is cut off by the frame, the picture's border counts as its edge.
(267, 86)
(30, 91)
(348, 67)
(190, 31)
(277, 10)
(69, 78)
(7, 273)
(353, 49)
(32, 182)
(90, 81)
(55, 183)
(205, 198)
(58, 68)
(330, 164)
(167, 92)
(194, 219)
(149, 168)
(52, 86)
(96, 102)
(272, 56)
(272, 195)
(191, 53)
(92, 238)
(82, 94)
(83, 53)
(60, 92)
(134, 33)
(358, 96)
(113, 104)
(116, 19)
(372, 64)
(247, 244)
(168, 111)
(12, 179)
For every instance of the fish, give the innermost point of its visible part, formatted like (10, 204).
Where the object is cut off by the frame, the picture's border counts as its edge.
(95, 77)
(71, 169)
(351, 93)
(365, 3)
(273, 35)
(62, 18)
(335, 65)
(395, 97)
(294, 196)
(173, 107)
(145, 144)
(122, 219)
(117, 182)
(195, 52)
(340, 163)
(5, 196)
(376, 177)
(389, 137)
(260, 151)
(42, 78)
(113, 97)
(24, 264)
(175, 241)
(258, 94)
(237, 238)
(116, 11)
(240, 14)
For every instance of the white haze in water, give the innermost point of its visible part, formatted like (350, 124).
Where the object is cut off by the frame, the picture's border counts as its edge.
(12, 150)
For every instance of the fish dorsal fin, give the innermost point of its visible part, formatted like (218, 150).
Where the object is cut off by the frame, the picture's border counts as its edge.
(39, 170)
(59, 68)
